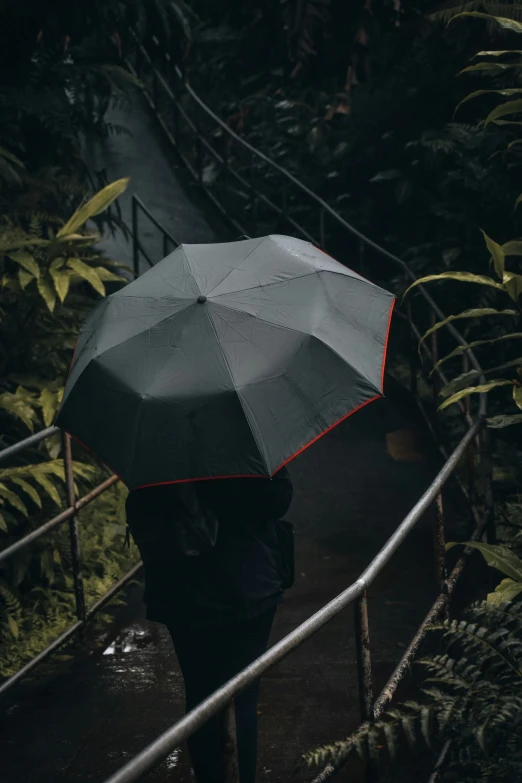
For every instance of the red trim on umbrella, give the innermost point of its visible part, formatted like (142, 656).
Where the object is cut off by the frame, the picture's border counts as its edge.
(327, 430)
(204, 478)
(74, 354)
(253, 475)
(94, 454)
(296, 454)
(386, 344)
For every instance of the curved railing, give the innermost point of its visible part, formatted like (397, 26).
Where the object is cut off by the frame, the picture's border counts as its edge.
(170, 97)
(252, 209)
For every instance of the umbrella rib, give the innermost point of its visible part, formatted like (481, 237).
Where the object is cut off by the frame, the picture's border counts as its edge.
(291, 280)
(182, 247)
(261, 449)
(236, 267)
(118, 345)
(307, 334)
(262, 286)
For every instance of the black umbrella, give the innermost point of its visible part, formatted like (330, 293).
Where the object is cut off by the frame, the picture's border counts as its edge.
(225, 360)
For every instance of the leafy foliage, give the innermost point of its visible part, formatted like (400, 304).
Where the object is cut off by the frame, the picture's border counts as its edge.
(35, 611)
(50, 274)
(61, 71)
(471, 695)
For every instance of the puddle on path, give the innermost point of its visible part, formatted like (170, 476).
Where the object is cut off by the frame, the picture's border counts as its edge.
(130, 640)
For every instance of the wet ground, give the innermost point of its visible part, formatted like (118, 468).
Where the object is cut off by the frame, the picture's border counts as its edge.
(160, 181)
(79, 721)
(86, 718)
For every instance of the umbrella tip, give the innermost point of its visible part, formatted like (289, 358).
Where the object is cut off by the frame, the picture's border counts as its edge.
(202, 299)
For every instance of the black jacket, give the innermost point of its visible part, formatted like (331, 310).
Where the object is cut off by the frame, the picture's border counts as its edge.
(238, 578)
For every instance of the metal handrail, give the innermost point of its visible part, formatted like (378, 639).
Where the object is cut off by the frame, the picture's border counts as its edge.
(75, 505)
(168, 241)
(158, 750)
(67, 515)
(223, 699)
(321, 204)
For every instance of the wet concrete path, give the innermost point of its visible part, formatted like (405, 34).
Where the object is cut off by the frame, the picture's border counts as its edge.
(86, 718)
(160, 181)
(79, 721)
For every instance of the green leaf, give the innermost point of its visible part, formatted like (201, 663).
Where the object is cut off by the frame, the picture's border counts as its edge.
(497, 53)
(47, 292)
(27, 261)
(462, 277)
(88, 274)
(28, 489)
(497, 254)
(13, 499)
(504, 592)
(15, 405)
(24, 278)
(513, 285)
(463, 380)
(476, 344)
(503, 110)
(513, 248)
(496, 556)
(507, 92)
(105, 275)
(499, 422)
(26, 242)
(48, 404)
(13, 626)
(3, 524)
(482, 389)
(62, 280)
(49, 487)
(9, 156)
(492, 67)
(503, 21)
(517, 396)
(480, 312)
(100, 202)
(458, 383)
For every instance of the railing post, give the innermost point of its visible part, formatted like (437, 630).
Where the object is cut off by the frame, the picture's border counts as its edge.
(165, 245)
(73, 529)
(135, 239)
(364, 670)
(229, 740)
(440, 544)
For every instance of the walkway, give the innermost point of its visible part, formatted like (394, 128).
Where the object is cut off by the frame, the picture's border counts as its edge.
(78, 721)
(158, 179)
(89, 716)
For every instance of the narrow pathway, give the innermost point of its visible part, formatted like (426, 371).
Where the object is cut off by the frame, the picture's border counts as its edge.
(158, 179)
(80, 720)
(94, 713)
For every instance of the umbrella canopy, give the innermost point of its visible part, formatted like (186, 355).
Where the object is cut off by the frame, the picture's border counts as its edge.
(225, 360)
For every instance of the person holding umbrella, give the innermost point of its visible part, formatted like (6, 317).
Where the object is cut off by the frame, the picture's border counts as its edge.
(217, 591)
(197, 384)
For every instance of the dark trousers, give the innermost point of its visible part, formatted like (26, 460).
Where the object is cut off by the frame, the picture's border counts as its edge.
(208, 658)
